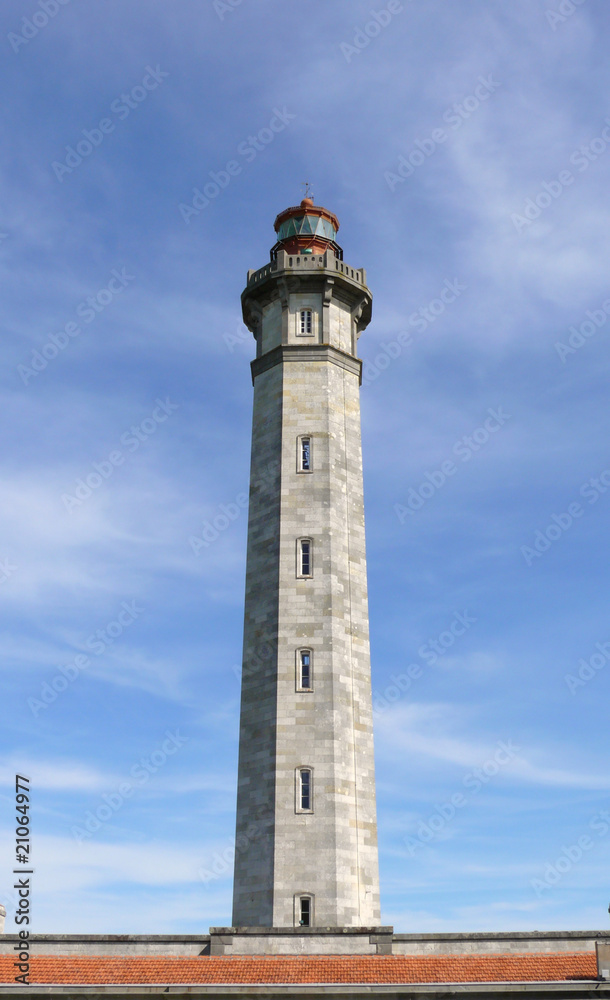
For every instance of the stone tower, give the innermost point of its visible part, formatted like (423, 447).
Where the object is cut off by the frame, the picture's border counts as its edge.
(306, 843)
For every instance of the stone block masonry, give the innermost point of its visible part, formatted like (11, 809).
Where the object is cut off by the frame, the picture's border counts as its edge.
(306, 383)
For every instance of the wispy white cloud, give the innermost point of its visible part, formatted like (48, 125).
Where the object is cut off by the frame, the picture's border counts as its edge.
(61, 775)
(427, 731)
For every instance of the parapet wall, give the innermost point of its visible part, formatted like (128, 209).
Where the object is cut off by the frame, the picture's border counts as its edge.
(314, 941)
(182, 945)
(499, 943)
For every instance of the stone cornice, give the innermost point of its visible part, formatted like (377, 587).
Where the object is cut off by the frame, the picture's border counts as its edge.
(298, 352)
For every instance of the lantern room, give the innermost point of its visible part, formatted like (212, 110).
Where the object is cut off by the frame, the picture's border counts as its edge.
(305, 229)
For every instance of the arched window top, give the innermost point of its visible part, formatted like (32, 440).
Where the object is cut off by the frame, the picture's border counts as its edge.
(305, 909)
(304, 557)
(304, 670)
(304, 789)
(304, 456)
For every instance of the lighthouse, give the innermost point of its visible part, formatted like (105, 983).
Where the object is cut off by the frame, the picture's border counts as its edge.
(306, 836)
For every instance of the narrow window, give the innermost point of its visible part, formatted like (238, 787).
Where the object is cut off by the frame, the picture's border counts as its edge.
(304, 561)
(305, 790)
(304, 455)
(304, 677)
(304, 905)
(306, 322)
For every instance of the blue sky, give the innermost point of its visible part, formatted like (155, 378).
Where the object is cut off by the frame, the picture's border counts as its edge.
(491, 766)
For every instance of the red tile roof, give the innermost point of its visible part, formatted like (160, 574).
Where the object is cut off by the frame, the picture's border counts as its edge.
(352, 969)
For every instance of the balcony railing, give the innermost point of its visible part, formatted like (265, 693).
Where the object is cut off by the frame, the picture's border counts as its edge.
(307, 262)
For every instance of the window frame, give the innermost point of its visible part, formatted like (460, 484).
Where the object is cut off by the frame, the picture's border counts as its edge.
(299, 669)
(298, 787)
(298, 900)
(300, 439)
(299, 554)
(305, 322)
(299, 322)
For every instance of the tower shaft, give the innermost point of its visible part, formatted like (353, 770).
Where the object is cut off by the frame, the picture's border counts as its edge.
(306, 844)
